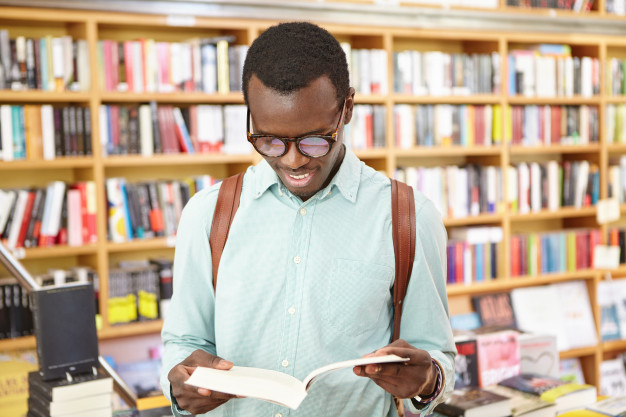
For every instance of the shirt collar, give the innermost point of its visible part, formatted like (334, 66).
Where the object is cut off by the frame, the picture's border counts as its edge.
(346, 179)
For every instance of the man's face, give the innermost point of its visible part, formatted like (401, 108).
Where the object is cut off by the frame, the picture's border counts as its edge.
(310, 110)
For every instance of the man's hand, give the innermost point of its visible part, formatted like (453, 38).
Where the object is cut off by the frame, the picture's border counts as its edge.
(417, 376)
(197, 400)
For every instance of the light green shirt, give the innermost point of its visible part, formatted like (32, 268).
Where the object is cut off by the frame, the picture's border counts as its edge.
(305, 284)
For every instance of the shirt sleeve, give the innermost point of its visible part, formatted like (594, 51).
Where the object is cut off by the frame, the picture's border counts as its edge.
(189, 322)
(425, 316)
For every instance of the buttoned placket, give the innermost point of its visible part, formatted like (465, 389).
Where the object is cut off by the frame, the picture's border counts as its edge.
(296, 270)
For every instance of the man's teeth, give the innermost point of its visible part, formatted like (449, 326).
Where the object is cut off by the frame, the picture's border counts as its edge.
(299, 177)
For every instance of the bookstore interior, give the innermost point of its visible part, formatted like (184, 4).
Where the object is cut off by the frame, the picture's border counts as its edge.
(510, 115)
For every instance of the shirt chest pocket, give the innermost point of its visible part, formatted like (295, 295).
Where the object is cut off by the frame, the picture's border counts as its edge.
(357, 296)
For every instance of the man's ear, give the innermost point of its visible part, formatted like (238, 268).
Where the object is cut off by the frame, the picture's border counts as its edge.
(349, 106)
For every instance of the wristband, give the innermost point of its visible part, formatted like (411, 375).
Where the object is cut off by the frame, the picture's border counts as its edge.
(426, 399)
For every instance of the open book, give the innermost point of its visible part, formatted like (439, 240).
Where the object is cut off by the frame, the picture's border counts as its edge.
(268, 385)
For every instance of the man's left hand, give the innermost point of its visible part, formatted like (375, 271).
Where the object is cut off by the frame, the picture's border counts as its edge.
(417, 376)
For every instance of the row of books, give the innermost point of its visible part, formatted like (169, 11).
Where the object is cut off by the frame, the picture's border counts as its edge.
(616, 76)
(457, 191)
(616, 179)
(148, 129)
(547, 125)
(51, 63)
(55, 215)
(208, 65)
(368, 69)
(438, 73)
(144, 210)
(446, 125)
(553, 252)
(367, 128)
(615, 126)
(550, 70)
(139, 290)
(16, 317)
(617, 7)
(473, 254)
(535, 186)
(36, 132)
(574, 5)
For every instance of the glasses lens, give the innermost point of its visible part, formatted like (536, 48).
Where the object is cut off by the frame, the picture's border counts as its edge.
(269, 145)
(314, 146)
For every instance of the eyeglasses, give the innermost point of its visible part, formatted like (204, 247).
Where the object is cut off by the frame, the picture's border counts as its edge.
(312, 146)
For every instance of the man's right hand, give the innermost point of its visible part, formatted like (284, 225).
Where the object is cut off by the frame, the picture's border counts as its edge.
(197, 400)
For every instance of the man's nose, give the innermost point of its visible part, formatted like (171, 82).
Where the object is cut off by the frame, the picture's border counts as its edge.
(293, 158)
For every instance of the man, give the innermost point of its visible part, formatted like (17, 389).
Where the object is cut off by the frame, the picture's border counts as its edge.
(305, 278)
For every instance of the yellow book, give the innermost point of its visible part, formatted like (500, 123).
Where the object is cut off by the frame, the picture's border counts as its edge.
(154, 401)
(571, 252)
(497, 125)
(223, 82)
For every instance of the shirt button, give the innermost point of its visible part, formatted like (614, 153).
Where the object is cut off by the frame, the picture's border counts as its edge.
(292, 310)
(280, 192)
(303, 211)
(297, 259)
(285, 363)
(278, 415)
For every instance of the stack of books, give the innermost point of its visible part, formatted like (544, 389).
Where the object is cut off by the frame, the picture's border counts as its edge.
(87, 395)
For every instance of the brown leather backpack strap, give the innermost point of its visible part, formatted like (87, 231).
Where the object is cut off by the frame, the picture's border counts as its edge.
(227, 204)
(403, 224)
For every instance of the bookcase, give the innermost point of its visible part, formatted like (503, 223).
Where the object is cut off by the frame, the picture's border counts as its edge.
(102, 255)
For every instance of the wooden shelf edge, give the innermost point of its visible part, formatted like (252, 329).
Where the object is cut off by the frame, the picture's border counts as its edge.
(18, 343)
(456, 99)
(429, 152)
(614, 346)
(553, 149)
(142, 244)
(563, 212)
(54, 251)
(507, 284)
(59, 163)
(176, 159)
(43, 96)
(131, 329)
(578, 352)
(558, 100)
(174, 97)
(471, 220)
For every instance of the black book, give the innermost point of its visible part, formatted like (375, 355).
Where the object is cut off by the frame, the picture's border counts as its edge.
(5, 320)
(37, 50)
(87, 130)
(26, 313)
(144, 209)
(67, 135)
(71, 115)
(37, 203)
(65, 326)
(156, 134)
(80, 131)
(59, 143)
(7, 227)
(123, 126)
(475, 402)
(16, 310)
(133, 131)
(31, 77)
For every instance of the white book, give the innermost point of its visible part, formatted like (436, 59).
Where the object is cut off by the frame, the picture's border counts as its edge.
(6, 132)
(82, 58)
(586, 80)
(57, 196)
(581, 183)
(553, 185)
(186, 62)
(68, 59)
(145, 130)
(197, 64)
(74, 218)
(18, 215)
(47, 132)
(209, 68)
(579, 324)
(151, 65)
(524, 188)
(7, 199)
(583, 126)
(235, 141)
(104, 129)
(347, 50)
(58, 60)
(365, 70)
(535, 187)
(269, 385)
(137, 58)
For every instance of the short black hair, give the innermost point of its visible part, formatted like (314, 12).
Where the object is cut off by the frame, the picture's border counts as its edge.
(289, 56)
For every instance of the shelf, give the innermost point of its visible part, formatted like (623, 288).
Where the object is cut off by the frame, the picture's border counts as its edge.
(557, 101)
(554, 149)
(562, 213)
(18, 343)
(507, 284)
(465, 99)
(616, 148)
(578, 352)
(132, 329)
(60, 163)
(371, 153)
(43, 97)
(470, 220)
(177, 97)
(54, 251)
(616, 99)
(142, 244)
(177, 159)
(614, 346)
(434, 151)
(370, 99)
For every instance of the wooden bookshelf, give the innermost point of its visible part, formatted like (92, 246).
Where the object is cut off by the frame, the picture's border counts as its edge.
(95, 25)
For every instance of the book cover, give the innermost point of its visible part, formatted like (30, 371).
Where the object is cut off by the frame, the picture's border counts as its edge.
(524, 404)
(475, 402)
(498, 356)
(495, 309)
(466, 364)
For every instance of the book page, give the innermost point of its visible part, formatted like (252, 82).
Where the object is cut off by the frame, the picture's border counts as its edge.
(259, 383)
(350, 364)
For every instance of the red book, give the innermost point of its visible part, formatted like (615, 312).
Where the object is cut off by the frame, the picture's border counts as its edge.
(128, 63)
(108, 65)
(25, 220)
(82, 188)
(369, 131)
(115, 65)
(515, 256)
